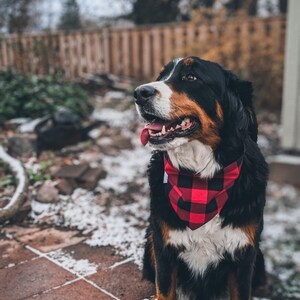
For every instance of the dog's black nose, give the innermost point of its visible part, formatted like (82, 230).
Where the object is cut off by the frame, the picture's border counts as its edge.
(144, 93)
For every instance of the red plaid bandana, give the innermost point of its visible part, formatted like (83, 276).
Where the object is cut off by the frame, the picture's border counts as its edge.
(194, 199)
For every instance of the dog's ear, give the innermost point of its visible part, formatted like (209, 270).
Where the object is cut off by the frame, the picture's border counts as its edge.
(244, 91)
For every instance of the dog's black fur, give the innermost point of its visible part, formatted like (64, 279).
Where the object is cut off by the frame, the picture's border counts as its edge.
(232, 277)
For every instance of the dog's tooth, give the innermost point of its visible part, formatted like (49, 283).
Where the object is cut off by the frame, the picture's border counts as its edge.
(182, 123)
(177, 126)
(163, 130)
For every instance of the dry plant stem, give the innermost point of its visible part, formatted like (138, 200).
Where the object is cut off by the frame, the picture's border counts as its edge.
(19, 196)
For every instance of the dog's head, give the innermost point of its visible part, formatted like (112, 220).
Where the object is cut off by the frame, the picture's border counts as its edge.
(194, 99)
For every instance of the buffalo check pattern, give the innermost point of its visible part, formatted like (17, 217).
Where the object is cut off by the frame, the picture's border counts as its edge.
(197, 200)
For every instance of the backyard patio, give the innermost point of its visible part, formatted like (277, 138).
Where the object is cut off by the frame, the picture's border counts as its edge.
(76, 230)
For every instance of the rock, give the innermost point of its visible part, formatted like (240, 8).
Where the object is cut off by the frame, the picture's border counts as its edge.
(114, 96)
(108, 150)
(90, 178)
(47, 193)
(22, 145)
(121, 143)
(72, 171)
(90, 157)
(66, 186)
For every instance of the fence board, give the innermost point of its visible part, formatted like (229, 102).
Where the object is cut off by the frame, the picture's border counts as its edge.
(141, 51)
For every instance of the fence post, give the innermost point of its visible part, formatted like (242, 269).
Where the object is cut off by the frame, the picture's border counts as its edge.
(291, 90)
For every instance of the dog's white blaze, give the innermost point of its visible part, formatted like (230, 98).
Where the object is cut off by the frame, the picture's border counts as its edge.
(162, 102)
(207, 245)
(195, 156)
(176, 61)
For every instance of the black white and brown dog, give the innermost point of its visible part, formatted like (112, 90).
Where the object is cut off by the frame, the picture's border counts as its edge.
(207, 183)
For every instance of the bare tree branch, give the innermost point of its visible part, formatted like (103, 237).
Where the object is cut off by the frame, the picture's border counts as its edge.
(20, 194)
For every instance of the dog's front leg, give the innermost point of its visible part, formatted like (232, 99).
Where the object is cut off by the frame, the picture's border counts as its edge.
(240, 281)
(165, 270)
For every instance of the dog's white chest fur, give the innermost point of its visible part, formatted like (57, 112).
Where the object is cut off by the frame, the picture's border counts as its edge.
(206, 245)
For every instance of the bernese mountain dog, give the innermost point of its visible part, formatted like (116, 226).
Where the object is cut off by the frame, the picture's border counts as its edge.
(207, 181)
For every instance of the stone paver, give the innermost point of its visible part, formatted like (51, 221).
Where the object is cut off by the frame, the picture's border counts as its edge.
(41, 278)
(71, 171)
(103, 257)
(51, 239)
(79, 290)
(12, 253)
(31, 278)
(124, 281)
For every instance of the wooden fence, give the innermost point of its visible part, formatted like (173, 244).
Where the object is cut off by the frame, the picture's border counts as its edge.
(138, 52)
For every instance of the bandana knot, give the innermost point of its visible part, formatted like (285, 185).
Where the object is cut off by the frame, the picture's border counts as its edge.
(197, 200)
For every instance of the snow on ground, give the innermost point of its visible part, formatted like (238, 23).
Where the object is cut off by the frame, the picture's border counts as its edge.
(120, 226)
(122, 223)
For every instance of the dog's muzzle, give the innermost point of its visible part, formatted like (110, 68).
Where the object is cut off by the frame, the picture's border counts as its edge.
(143, 94)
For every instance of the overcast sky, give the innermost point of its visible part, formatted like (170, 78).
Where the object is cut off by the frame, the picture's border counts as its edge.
(51, 10)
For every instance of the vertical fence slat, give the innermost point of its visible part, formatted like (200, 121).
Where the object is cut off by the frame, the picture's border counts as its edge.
(126, 54)
(167, 46)
(146, 57)
(97, 52)
(88, 52)
(4, 53)
(135, 53)
(114, 52)
(157, 49)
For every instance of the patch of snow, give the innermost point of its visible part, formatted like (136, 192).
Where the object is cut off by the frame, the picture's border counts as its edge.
(115, 118)
(80, 267)
(123, 169)
(123, 227)
(281, 235)
(263, 142)
(32, 165)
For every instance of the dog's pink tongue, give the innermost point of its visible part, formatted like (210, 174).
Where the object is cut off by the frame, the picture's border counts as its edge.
(145, 136)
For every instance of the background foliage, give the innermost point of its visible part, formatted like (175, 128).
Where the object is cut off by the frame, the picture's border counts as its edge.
(32, 96)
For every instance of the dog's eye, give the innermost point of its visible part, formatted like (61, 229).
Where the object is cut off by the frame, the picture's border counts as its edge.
(189, 77)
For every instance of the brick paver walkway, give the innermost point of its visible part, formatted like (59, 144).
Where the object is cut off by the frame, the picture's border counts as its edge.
(54, 264)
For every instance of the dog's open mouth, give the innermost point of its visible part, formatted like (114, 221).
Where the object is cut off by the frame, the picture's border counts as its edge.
(159, 131)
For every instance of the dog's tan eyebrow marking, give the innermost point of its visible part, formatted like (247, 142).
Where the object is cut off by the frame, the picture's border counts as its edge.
(188, 61)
